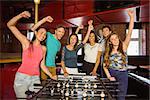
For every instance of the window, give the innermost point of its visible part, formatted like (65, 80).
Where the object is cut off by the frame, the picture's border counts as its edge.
(30, 35)
(136, 45)
(80, 40)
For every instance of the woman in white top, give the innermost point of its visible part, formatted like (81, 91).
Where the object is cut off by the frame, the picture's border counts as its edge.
(92, 51)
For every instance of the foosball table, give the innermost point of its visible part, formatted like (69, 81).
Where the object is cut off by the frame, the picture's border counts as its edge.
(76, 87)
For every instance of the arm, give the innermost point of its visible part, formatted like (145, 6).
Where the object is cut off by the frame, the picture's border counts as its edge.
(78, 29)
(43, 67)
(90, 27)
(39, 23)
(108, 74)
(97, 63)
(63, 63)
(131, 25)
(64, 68)
(11, 25)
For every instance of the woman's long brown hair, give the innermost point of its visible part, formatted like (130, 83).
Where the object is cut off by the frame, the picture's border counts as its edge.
(75, 46)
(108, 50)
(31, 49)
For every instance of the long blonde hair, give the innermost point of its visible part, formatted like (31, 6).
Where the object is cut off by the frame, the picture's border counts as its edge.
(108, 50)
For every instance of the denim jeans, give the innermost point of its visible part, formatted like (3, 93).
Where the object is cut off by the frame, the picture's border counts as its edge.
(23, 83)
(122, 78)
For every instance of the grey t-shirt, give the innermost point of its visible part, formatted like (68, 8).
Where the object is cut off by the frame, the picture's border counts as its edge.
(70, 56)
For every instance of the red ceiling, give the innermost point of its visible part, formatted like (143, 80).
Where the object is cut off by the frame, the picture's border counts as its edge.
(74, 9)
(74, 13)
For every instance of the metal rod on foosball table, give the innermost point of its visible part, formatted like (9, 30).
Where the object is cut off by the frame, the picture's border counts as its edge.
(107, 91)
(35, 96)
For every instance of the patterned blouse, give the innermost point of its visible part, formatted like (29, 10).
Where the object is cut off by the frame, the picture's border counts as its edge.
(116, 62)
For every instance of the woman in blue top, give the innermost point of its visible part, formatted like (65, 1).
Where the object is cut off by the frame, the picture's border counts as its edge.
(69, 53)
(115, 59)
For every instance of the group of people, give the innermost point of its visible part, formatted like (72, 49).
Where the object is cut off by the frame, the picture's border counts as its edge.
(109, 53)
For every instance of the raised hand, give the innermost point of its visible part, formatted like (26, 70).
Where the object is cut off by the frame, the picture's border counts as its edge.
(25, 14)
(90, 27)
(90, 22)
(131, 13)
(48, 19)
(81, 27)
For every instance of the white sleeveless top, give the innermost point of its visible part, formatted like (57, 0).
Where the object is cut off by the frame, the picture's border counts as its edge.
(91, 52)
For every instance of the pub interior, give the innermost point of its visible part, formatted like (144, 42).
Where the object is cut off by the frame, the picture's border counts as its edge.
(71, 14)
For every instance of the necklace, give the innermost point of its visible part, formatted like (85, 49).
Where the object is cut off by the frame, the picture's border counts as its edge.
(91, 47)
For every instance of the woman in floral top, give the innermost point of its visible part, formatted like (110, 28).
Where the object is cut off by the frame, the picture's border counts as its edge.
(115, 59)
